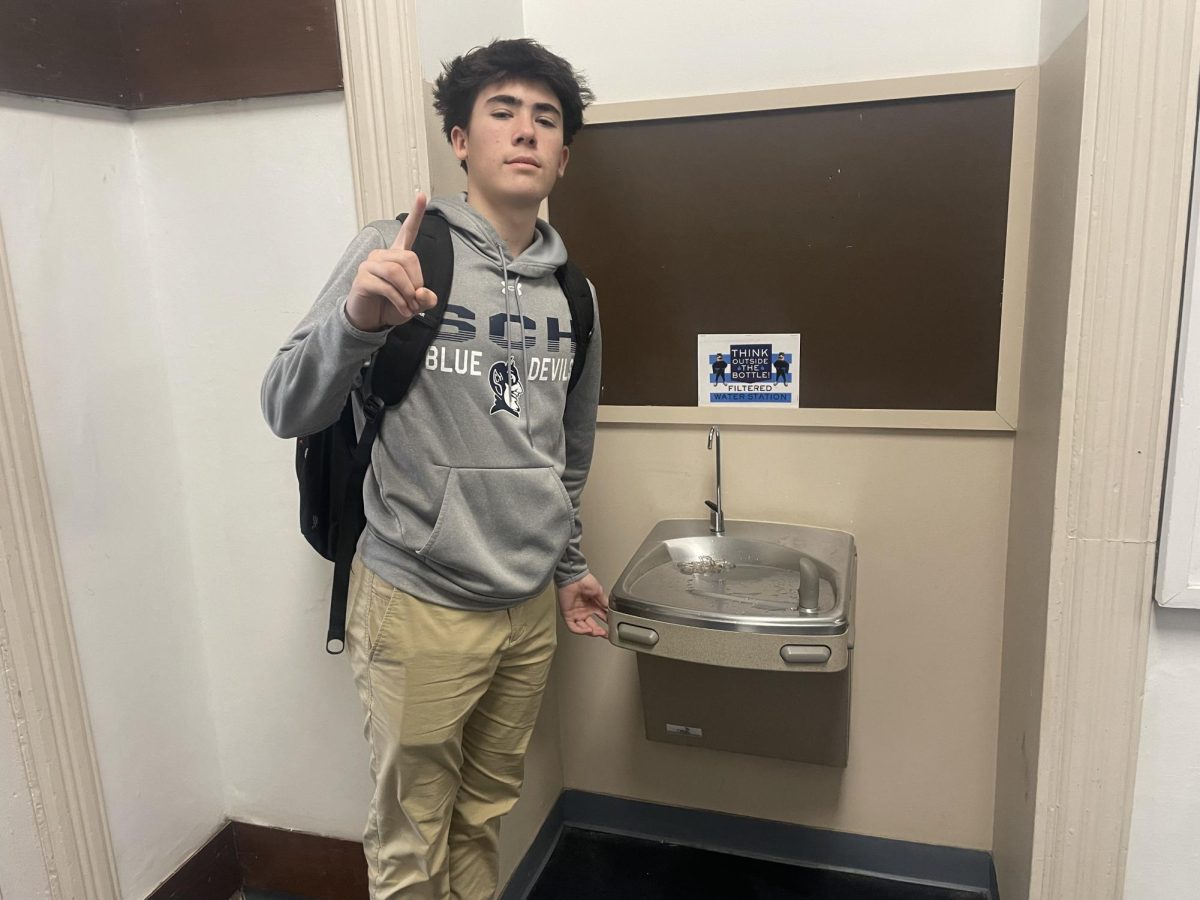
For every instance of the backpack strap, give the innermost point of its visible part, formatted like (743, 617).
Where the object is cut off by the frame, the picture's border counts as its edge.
(398, 362)
(583, 315)
(384, 383)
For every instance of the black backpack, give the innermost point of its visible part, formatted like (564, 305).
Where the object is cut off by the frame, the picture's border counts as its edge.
(331, 464)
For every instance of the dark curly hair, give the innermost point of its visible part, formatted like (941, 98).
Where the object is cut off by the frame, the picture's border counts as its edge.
(456, 89)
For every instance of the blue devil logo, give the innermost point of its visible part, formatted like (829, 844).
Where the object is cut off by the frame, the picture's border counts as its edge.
(505, 379)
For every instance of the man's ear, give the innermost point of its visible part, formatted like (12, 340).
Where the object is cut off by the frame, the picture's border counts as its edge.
(562, 163)
(458, 140)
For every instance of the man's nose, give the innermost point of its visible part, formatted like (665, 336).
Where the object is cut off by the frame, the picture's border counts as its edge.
(525, 132)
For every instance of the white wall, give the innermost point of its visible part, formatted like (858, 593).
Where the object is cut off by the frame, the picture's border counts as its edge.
(446, 29)
(249, 205)
(638, 50)
(92, 330)
(208, 231)
(243, 243)
(1164, 855)
(449, 28)
(1059, 19)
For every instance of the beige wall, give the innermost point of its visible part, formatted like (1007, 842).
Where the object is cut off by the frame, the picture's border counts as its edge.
(1035, 458)
(930, 514)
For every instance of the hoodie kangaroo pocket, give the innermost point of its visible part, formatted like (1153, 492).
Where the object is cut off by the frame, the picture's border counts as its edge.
(500, 532)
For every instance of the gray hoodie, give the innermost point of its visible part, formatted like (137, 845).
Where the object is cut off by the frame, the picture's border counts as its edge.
(472, 498)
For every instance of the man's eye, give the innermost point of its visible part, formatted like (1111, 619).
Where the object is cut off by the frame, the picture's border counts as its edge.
(549, 123)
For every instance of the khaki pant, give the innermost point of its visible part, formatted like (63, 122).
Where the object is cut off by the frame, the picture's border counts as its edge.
(451, 698)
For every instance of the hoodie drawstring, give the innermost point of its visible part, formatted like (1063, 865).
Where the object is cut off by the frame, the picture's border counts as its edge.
(521, 319)
(524, 369)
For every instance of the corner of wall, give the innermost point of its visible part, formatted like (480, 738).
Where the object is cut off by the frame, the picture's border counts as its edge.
(1059, 19)
(92, 334)
(1035, 461)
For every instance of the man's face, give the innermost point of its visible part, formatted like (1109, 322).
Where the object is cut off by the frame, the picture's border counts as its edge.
(514, 143)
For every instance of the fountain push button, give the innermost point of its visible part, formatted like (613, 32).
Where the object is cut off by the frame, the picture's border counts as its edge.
(636, 634)
(805, 653)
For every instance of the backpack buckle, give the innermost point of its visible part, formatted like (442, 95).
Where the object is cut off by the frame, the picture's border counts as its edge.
(372, 407)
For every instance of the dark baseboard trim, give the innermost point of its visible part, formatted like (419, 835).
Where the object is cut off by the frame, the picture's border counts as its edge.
(294, 862)
(211, 873)
(529, 869)
(269, 859)
(927, 864)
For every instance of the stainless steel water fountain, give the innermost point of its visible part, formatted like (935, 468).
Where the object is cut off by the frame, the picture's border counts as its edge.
(742, 608)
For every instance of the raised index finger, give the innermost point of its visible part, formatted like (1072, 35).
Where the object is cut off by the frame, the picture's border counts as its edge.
(411, 225)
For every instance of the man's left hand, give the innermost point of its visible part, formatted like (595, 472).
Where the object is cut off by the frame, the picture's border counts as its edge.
(579, 601)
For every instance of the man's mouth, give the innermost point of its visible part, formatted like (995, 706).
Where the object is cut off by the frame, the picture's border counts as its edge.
(525, 160)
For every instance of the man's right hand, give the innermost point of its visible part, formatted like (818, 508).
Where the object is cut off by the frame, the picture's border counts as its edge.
(389, 288)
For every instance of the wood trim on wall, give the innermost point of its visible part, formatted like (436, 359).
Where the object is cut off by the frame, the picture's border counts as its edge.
(155, 53)
(37, 647)
(1139, 125)
(381, 69)
(276, 860)
(838, 419)
(69, 50)
(1024, 83)
(213, 872)
(198, 51)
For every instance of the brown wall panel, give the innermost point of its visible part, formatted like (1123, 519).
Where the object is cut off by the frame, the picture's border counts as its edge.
(875, 230)
(191, 51)
(62, 49)
(136, 54)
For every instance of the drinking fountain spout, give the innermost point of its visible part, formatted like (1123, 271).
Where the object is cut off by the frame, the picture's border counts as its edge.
(809, 591)
(717, 511)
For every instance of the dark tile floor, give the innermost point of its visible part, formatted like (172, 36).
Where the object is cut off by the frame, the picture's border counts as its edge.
(589, 865)
(592, 865)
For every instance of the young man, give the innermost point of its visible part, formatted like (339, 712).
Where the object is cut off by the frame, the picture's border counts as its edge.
(472, 498)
